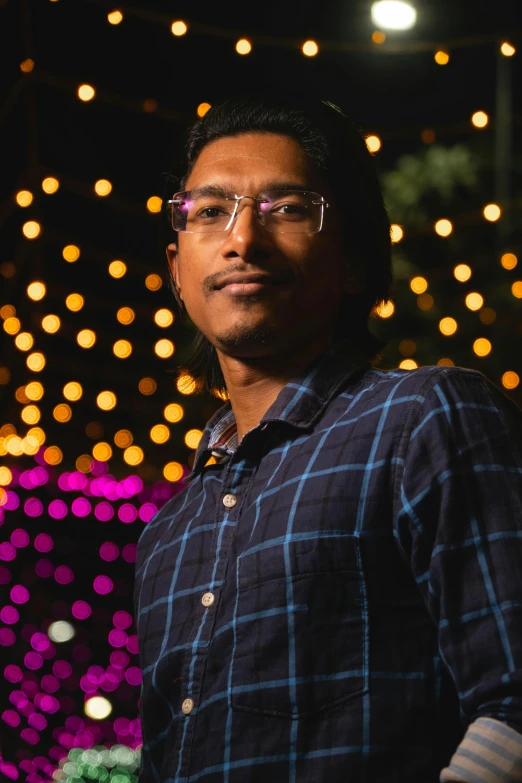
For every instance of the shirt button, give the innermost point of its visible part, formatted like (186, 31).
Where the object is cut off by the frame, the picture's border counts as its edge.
(208, 599)
(229, 501)
(187, 706)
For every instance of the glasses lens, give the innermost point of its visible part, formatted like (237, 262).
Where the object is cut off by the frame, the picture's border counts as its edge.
(291, 211)
(197, 214)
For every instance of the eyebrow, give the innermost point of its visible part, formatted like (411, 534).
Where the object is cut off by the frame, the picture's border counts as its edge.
(220, 191)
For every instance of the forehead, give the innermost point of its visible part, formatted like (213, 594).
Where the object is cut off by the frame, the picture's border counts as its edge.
(253, 159)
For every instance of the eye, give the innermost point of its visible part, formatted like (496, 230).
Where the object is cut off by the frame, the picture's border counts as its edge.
(211, 212)
(290, 209)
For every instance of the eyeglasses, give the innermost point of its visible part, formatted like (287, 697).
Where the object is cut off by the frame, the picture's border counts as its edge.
(278, 211)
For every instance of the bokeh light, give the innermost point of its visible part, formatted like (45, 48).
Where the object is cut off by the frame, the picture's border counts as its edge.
(86, 92)
(24, 198)
(419, 285)
(114, 17)
(31, 229)
(510, 380)
(482, 346)
(385, 309)
(102, 187)
(462, 273)
(373, 143)
(178, 28)
(509, 260)
(441, 57)
(243, 46)
(474, 301)
(310, 48)
(443, 227)
(203, 109)
(50, 185)
(479, 119)
(71, 253)
(492, 212)
(448, 326)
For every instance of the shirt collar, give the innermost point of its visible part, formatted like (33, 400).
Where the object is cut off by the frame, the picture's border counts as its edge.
(299, 403)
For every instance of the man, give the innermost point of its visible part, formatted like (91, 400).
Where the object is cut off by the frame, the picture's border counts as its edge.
(337, 594)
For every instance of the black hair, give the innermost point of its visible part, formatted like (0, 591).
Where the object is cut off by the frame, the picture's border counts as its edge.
(338, 149)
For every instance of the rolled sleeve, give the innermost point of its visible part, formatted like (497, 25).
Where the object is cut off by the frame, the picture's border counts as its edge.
(458, 521)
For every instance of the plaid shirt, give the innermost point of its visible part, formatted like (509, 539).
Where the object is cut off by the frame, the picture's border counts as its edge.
(339, 597)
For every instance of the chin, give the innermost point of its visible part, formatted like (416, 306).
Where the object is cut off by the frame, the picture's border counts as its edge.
(248, 339)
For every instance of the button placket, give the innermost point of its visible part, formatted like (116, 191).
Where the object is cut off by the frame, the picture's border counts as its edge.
(187, 706)
(229, 501)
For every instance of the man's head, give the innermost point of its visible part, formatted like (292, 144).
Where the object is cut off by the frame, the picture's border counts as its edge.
(318, 234)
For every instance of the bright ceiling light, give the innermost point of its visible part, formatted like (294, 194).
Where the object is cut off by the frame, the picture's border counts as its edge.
(393, 15)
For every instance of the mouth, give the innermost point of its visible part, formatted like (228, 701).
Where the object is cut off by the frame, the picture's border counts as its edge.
(248, 285)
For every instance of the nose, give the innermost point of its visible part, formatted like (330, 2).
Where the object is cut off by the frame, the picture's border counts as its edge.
(247, 238)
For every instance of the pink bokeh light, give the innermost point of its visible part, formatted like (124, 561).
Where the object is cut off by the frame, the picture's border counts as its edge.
(147, 512)
(44, 568)
(81, 610)
(103, 511)
(62, 669)
(20, 538)
(127, 513)
(103, 584)
(33, 507)
(117, 638)
(122, 619)
(64, 575)
(40, 642)
(81, 507)
(43, 542)
(13, 673)
(129, 553)
(7, 551)
(33, 660)
(109, 551)
(19, 594)
(7, 637)
(9, 614)
(57, 509)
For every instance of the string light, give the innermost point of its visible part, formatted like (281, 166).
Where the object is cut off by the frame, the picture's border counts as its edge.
(98, 708)
(34, 390)
(36, 290)
(125, 315)
(102, 452)
(178, 28)
(102, 187)
(310, 48)
(86, 338)
(31, 229)
(122, 349)
(72, 391)
(479, 119)
(186, 384)
(35, 362)
(396, 233)
(407, 347)
(173, 412)
(24, 198)
(507, 49)
(448, 326)
(12, 325)
(160, 433)
(243, 46)
(408, 364)
(385, 309)
(6, 311)
(419, 285)
(510, 380)
(30, 414)
(378, 37)
(192, 438)
(446, 362)
(53, 455)
(164, 349)
(86, 92)
(147, 386)
(74, 302)
(509, 260)
(474, 301)
(24, 341)
(373, 143)
(26, 66)
(487, 315)
(123, 438)
(441, 57)
(443, 227)
(492, 212)
(482, 347)
(462, 273)
(133, 455)
(173, 471)
(106, 400)
(202, 109)
(516, 289)
(62, 412)
(50, 185)
(163, 317)
(71, 253)
(153, 282)
(117, 268)
(154, 204)
(114, 17)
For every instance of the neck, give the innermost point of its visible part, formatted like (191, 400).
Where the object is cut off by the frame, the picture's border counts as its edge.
(254, 383)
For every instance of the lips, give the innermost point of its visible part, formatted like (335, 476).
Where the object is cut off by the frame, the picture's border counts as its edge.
(248, 279)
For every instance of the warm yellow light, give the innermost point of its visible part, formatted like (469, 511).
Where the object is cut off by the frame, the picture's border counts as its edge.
(35, 362)
(117, 268)
(74, 302)
(407, 347)
(53, 455)
(36, 290)
(50, 185)
(507, 49)
(86, 338)
(24, 341)
(21, 396)
(125, 315)
(202, 109)
(492, 212)
(5, 376)
(428, 136)
(31, 229)
(396, 233)
(114, 17)
(7, 311)
(123, 438)
(72, 391)
(173, 412)
(147, 386)
(373, 143)
(192, 438)
(24, 198)
(34, 391)
(385, 309)
(173, 471)
(446, 362)
(86, 92)
(442, 57)
(419, 285)
(178, 28)
(510, 380)
(443, 227)
(516, 289)
(482, 347)
(83, 463)
(474, 301)
(13, 444)
(509, 260)
(122, 349)
(163, 317)
(310, 48)
(186, 384)
(408, 364)
(26, 66)
(153, 282)
(160, 433)
(487, 315)
(97, 708)
(243, 46)
(50, 324)
(154, 204)
(479, 119)
(448, 326)
(133, 455)
(30, 445)
(378, 37)
(462, 273)
(62, 412)
(71, 253)
(6, 476)
(106, 400)
(164, 348)
(30, 414)
(12, 325)
(102, 187)
(102, 451)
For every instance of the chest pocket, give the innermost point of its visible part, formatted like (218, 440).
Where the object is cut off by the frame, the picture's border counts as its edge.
(300, 643)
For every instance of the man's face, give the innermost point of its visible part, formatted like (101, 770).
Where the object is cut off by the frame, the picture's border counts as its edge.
(311, 269)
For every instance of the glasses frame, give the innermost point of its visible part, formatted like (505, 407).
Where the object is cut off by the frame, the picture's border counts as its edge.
(179, 198)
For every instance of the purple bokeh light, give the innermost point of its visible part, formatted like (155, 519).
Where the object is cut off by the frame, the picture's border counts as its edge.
(62, 669)
(57, 509)
(20, 538)
(117, 638)
(33, 507)
(103, 584)
(19, 594)
(81, 507)
(64, 575)
(11, 501)
(81, 610)
(7, 551)
(129, 553)
(44, 568)
(7, 637)
(127, 513)
(147, 511)
(33, 660)
(40, 642)
(43, 542)
(103, 511)
(122, 619)
(13, 673)
(9, 615)
(109, 551)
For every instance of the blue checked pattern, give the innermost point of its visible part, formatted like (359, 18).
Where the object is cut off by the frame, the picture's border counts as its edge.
(367, 583)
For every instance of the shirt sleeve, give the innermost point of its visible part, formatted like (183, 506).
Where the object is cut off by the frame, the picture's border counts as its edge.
(458, 521)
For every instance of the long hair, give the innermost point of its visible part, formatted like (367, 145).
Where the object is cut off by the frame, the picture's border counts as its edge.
(337, 148)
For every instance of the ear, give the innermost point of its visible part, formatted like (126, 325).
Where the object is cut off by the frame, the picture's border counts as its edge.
(172, 258)
(354, 278)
